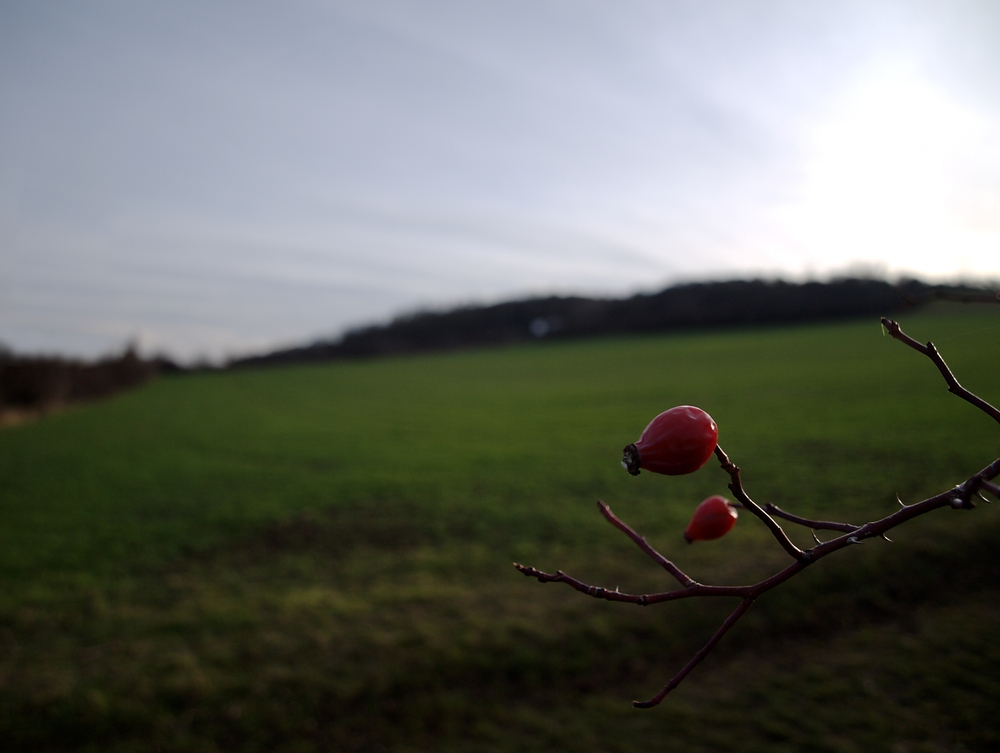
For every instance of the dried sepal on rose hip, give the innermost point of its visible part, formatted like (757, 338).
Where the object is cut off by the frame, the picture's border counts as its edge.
(678, 441)
(713, 518)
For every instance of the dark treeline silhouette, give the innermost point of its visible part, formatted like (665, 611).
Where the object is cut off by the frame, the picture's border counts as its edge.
(42, 383)
(689, 306)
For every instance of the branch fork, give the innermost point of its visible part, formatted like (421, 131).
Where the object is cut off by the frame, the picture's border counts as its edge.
(960, 497)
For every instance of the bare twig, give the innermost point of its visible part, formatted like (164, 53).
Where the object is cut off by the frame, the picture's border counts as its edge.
(960, 497)
(696, 659)
(932, 353)
(821, 525)
(640, 541)
(598, 592)
(736, 487)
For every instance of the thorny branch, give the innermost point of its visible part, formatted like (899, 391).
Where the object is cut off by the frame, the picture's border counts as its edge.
(960, 497)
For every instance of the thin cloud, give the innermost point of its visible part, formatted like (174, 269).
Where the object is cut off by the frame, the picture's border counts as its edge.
(228, 177)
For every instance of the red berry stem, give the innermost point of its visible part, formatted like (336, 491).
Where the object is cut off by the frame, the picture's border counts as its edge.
(736, 487)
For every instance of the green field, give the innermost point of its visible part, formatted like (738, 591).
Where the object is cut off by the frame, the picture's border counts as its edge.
(319, 557)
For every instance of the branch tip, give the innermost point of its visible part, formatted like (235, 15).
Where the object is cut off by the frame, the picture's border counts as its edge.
(953, 384)
(696, 659)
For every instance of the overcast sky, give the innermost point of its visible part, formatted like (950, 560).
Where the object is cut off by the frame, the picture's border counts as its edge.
(216, 178)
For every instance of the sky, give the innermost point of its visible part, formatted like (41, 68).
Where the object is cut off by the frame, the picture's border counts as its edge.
(213, 179)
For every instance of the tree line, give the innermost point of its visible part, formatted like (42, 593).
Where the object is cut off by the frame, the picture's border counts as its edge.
(688, 306)
(42, 382)
(45, 382)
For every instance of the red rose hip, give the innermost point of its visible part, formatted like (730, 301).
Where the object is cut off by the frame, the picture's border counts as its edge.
(678, 441)
(714, 518)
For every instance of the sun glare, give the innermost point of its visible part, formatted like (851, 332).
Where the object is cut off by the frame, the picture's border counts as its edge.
(891, 174)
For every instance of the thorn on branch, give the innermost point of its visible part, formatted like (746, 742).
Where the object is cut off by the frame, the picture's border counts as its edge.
(854, 540)
(991, 488)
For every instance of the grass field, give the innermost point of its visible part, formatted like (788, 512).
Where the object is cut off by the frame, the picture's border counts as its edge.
(319, 558)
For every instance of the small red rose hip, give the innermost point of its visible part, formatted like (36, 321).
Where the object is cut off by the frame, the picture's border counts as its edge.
(715, 517)
(678, 441)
